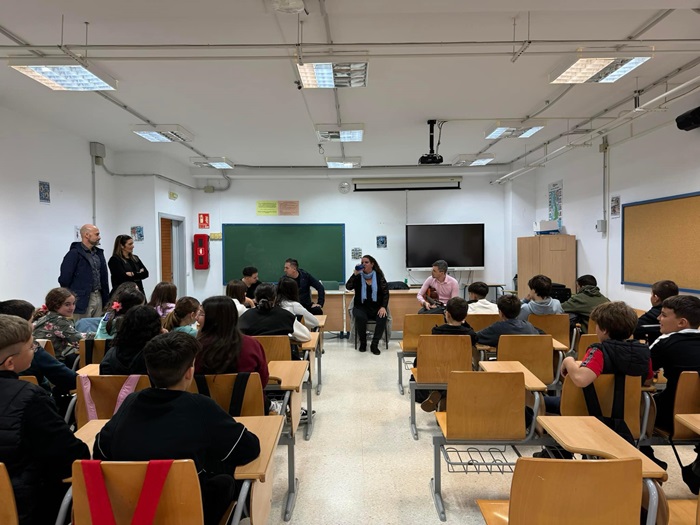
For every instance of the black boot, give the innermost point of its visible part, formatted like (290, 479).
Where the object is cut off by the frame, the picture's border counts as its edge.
(363, 346)
(375, 348)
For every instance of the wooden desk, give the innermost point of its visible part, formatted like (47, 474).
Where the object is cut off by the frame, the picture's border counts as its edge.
(532, 384)
(692, 421)
(313, 347)
(89, 370)
(336, 310)
(291, 377)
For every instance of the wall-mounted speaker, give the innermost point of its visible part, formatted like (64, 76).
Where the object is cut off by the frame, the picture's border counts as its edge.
(689, 120)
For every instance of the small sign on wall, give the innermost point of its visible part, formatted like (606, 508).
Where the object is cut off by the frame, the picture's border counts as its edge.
(203, 220)
(44, 192)
(137, 233)
(381, 241)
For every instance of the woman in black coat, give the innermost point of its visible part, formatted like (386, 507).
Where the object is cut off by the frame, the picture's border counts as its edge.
(371, 301)
(124, 265)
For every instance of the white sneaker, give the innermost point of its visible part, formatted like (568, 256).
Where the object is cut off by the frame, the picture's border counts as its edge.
(275, 407)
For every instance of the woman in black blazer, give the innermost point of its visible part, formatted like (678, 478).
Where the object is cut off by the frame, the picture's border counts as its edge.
(371, 301)
(124, 265)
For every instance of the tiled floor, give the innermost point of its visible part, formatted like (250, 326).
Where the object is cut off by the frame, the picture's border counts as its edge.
(362, 466)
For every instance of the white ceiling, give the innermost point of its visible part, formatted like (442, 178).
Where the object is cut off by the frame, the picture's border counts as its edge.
(243, 103)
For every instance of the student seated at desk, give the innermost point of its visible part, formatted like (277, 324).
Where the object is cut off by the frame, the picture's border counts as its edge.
(539, 300)
(125, 357)
(123, 302)
(167, 422)
(677, 350)
(236, 290)
(581, 304)
(163, 298)
(455, 314)
(478, 304)
(36, 445)
(660, 291)
(288, 298)
(183, 317)
(54, 321)
(509, 308)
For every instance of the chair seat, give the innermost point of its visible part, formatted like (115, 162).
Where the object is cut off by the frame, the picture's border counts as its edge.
(682, 511)
(495, 512)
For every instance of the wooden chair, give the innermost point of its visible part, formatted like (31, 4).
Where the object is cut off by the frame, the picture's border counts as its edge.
(277, 347)
(591, 326)
(684, 511)
(480, 321)
(573, 402)
(221, 390)
(584, 342)
(180, 502)
(104, 391)
(536, 497)
(29, 379)
(533, 351)
(95, 354)
(8, 506)
(556, 325)
(414, 325)
(687, 401)
(47, 345)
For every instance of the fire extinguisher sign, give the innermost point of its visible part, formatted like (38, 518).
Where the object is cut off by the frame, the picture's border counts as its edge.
(203, 221)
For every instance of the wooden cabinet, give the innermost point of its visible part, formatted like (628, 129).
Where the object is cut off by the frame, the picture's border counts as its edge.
(550, 255)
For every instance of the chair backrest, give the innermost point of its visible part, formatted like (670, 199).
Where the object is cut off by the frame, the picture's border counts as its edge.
(99, 347)
(277, 347)
(415, 325)
(490, 406)
(687, 401)
(584, 342)
(180, 502)
(480, 321)
(438, 355)
(556, 325)
(221, 390)
(533, 351)
(104, 391)
(47, 345)
(8, 506)
(29, 379)
(536, 497)
(591, 326)
(573, 402)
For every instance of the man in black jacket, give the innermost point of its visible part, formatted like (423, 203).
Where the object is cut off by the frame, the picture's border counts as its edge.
(167, 422)
(36, 445)
(306, 281)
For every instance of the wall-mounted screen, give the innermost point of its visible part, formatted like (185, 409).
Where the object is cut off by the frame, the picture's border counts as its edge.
(461, 245)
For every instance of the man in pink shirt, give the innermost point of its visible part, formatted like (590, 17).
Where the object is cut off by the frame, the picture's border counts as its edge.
(447, 287)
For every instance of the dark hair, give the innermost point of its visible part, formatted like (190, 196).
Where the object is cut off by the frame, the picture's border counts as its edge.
(219, 335)
(18, 307)
(441, 265)
(236, 289)
(139, 326)
(183, 307)
(478, 288)
(509, 306)
(168, 356)
(128, 299)
(249, 271)
(163, 293)
(686, 307)
(53, 301)
(117, 293)
(292, 262)
(375, 265)
(287, 290)
(457, 308)
(265, 297)
(616, 318)
(119, 243)
(664, 289)
(542, 285)
(586, 280)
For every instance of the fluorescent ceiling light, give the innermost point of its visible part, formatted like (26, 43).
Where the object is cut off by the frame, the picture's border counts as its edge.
(219, 163)
(333, 75)
(600, 70)
(343, 162)
(472, 160)
(64, 74)
(163, 133)
(510, 129)
(342, 133)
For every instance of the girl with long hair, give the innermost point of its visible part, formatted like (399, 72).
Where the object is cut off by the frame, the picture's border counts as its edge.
(125, 357)
(121, 304)
(288, 298)
(236, 290)
(268, 319)
(183, 316)
(124, 266)
(54, 321)
(163, 298)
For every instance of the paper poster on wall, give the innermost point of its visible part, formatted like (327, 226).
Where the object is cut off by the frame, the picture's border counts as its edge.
(356, 253)
(203, 221)
(288, 207)
(615, 207)
(76, 234)
(137, 233)
(381, 241)
(266, 208)
(44, 192)
(555, 190)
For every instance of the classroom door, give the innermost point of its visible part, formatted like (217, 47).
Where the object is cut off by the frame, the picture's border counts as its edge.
(166, 250)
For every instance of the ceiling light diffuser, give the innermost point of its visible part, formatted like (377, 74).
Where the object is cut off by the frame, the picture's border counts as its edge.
(342, 133)
(344, 162)
(219, 163)
(596, 70)
(163, 133)
(473, 160)
(514, 129)
(333, 75)
(64, 74)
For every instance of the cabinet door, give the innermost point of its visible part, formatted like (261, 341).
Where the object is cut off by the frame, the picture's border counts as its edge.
(558, 259)
(528, 262)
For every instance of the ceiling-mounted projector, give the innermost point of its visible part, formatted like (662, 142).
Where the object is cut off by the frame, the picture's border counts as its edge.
(431, 157)
(289, 6)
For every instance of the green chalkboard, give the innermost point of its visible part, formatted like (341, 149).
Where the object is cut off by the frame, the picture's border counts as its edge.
(319, 248)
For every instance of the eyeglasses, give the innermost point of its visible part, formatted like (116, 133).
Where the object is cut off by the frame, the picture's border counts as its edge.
(35, 347)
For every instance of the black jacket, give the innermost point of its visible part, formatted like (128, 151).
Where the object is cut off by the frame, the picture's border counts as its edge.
(118, 268)
(76, 275)
(276, 321)
(630, 358)
(448, 329)
(306, 281)
(491, 334)
(36, 446)
(649, 318)
(46, 367)
(115, 363)
(356, 282)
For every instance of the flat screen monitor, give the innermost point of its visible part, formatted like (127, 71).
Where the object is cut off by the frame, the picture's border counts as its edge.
(461, 245)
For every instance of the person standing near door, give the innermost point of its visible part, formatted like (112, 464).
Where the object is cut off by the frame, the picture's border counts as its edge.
(84, 272)
(124, 266)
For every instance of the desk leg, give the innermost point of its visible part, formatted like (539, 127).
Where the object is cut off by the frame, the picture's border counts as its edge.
(653, 507)
(309, 412)
(242, 495)
(292, 481)
(414, 430)
(319, 354)
(400, 355)
(646, 397)
(436, 482)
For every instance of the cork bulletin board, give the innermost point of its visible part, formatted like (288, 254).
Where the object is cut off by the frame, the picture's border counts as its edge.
(661, 240)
